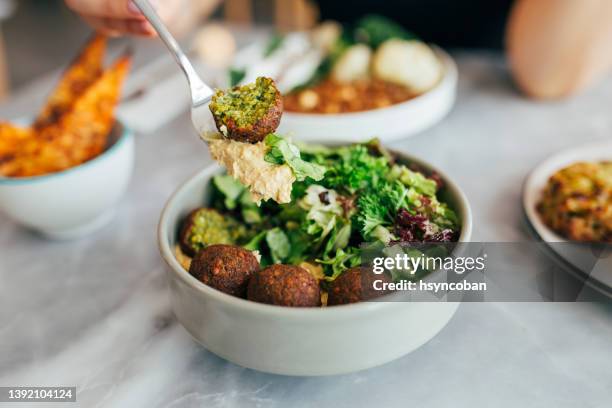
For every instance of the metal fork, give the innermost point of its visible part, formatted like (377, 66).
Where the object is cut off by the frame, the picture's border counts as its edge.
(201, 93)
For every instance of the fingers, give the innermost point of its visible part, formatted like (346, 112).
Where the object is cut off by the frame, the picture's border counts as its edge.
(117, 9)
(116, 27)
(118, 17)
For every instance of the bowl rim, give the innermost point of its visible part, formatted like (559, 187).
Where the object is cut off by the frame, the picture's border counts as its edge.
(167, 253)
(126, 134)
(449, 78)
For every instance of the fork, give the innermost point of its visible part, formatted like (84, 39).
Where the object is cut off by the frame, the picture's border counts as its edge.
(201, 93)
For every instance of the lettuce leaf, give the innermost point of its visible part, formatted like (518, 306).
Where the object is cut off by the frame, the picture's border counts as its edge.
(284, 152)
(279, 245)
(416, 180)
(230, 188)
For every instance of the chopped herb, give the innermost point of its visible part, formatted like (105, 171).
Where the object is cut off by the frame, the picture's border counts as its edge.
(236, 75)
(274, 44)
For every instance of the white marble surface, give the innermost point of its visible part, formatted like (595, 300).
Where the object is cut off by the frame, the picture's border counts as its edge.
(95, 313)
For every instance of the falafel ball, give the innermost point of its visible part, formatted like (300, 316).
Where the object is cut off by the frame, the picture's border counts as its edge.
(206, 226)
(355, 285)
(284, 285)
(248, 113)
(225, 267)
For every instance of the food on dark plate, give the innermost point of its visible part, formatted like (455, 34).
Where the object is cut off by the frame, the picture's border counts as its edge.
(365, 197)
(74, 125)
(248, 113)
(206, 226)
(355, 285)
(284, 285)
(577, 202)
(225, 267)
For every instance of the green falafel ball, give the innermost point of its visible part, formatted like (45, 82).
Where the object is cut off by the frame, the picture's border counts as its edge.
(206, 226)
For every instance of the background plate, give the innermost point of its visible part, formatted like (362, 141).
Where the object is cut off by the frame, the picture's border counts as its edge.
(584, 258)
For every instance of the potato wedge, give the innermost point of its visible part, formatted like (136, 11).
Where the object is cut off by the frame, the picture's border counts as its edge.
(12, 139)
(92, 116)
(80, 75)
(79, 135)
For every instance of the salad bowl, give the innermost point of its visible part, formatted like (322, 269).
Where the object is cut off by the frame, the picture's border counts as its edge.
(297, 341)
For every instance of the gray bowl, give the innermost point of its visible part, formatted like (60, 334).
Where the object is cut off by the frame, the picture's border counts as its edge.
(297, 341)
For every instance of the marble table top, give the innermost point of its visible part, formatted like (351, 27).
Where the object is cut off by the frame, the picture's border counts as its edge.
(95, 312)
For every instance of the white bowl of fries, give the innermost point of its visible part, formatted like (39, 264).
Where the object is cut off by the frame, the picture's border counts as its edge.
(64, 172)
(77, 201)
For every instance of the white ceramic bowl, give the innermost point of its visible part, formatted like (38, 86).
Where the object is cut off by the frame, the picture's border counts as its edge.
(295, 341)
(76, 201)
(391, 123)
(594, 267)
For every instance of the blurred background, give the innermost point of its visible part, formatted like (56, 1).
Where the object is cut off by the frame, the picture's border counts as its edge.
(30, 31)
(554, 49)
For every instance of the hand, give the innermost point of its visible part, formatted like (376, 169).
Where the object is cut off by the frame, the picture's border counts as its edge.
(120, 17)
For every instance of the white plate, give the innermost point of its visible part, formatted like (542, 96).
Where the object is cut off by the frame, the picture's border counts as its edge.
(398, 121)
(596, 267)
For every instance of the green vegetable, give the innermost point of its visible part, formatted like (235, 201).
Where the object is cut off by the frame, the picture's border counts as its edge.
(379, 206)
(343, 237)
(236, 75)
(341, 261)
(355, 168)
(413, 179)
(374, 30)
(274, 44)
(236, 196)
(301, 244)
(382, 234)
(254, 243)
(279, 245)
(273, 245)
(371, 213)
(354, 205)
(230, 188)
(282, 151)
(251, 215)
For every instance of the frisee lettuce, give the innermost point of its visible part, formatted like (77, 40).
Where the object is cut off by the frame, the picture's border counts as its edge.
(341, 261)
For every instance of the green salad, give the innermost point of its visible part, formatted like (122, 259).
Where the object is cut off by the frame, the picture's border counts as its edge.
(343, 198)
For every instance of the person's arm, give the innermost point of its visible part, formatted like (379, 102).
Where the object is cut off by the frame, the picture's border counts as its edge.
(120, 17)
(559, 47)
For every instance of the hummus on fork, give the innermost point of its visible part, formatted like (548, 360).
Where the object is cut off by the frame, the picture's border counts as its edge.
(246, 163)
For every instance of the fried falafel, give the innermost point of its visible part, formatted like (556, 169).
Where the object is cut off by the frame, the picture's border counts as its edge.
(225, 267)
(284, 285)
(355, 285)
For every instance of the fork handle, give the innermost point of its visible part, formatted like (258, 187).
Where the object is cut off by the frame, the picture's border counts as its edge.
(200, 92)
